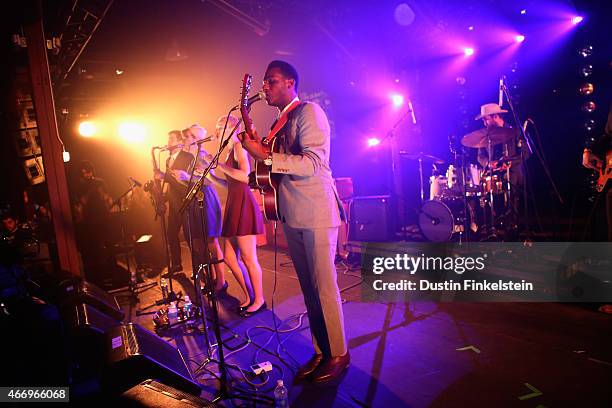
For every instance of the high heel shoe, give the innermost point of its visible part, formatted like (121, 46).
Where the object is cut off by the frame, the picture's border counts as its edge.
(241, 309)
(246, 313)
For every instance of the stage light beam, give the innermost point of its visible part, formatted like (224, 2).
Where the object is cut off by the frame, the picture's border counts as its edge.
(373, 141)
(468, 51)
(577, 20)
(132, 132)
(87, 129)
(398, 100)
(519, 38)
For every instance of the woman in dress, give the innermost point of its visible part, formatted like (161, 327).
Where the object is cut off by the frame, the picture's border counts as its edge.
(242, 221)
(212, 212)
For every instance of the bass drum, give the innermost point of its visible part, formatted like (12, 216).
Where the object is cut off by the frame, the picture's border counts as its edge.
(439, 220)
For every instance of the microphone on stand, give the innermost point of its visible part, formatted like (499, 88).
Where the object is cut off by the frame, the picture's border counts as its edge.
(501, 91)
(255, 98)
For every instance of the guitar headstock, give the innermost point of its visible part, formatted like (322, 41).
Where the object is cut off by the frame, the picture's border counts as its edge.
(246, 89)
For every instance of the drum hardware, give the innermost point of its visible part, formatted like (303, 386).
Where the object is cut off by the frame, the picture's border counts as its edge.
(421, 157)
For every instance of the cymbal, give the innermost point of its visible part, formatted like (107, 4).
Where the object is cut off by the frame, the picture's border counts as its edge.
(422, 156)
(480, 137)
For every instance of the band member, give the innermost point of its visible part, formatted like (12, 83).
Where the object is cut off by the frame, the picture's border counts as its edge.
(92, 213)
(593, 158)
(196, 226)
(311, 213)
(179, 160)
(242, 221)
(491, 116)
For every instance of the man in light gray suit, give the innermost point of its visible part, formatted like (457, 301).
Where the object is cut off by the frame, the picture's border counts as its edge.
(311, 213)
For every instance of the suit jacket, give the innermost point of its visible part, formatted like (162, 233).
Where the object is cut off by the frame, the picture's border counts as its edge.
(307, 193)
(176, 190)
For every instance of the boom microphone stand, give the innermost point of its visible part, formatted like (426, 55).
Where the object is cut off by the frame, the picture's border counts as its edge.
(530, 145)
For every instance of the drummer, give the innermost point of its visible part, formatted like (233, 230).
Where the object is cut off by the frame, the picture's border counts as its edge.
(503, 147)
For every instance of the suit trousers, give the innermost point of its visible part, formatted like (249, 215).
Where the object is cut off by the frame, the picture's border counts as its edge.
(175, 223)
(313, 252)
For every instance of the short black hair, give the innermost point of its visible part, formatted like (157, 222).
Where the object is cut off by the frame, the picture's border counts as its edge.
(287, 69)
(87, 166)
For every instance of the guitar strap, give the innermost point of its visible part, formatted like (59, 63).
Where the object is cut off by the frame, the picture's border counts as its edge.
(282, 120)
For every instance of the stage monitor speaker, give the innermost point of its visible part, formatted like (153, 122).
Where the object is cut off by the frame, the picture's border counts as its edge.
(370, 219)
(151, 393)
(73, 291)
(135, 354)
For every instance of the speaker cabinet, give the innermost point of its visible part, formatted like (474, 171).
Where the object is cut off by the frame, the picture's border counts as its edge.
(74, 291)
(151, 393)
(135, 354)
(370, 219)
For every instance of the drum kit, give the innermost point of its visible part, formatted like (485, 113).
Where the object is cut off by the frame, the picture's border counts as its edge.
(468, 202)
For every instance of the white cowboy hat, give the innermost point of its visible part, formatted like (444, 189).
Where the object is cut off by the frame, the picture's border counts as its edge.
(489, 109)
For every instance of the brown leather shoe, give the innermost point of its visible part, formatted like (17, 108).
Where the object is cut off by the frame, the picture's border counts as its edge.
(308, 368)
(331, 369)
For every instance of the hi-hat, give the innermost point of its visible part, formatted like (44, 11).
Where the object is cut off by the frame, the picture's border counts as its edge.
(422, 156)
(481, 137)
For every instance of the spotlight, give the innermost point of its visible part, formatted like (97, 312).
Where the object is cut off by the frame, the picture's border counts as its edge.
(398, 100)
(523, 12)
(586, 89)
(87, 129)
(373, 141)
(586, 52)
(577, 20)
(468, 51)
(471, 28)
(132, 132)
(519, 38)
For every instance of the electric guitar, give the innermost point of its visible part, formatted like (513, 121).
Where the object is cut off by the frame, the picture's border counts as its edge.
(605, 173)
(262, 177)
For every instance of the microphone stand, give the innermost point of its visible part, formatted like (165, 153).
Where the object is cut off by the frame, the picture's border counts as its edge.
(132, 287)
(206, 266)
(530, 145)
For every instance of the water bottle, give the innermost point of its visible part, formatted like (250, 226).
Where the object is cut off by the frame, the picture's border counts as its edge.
(281, 395)
(164, 288)
(187, 306)
(172, 313)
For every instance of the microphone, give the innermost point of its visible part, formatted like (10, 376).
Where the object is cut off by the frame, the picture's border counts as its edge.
(135, 182)
(501, 91)
(412, 112)
(255, 98)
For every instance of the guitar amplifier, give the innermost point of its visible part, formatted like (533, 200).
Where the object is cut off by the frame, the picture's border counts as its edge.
(74, 291)
(135, 354)
(370, 219)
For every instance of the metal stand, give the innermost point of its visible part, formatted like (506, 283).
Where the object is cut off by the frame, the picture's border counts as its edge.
(205, 266)
(134, 288)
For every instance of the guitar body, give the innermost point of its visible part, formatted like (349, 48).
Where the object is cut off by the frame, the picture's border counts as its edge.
(605, 174)
(267, 183)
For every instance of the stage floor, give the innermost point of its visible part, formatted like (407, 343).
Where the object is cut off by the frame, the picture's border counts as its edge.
(422, 354)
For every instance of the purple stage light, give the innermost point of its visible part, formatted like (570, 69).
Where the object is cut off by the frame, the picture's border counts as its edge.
(468, 51)
(577, 20)
(519, 38)
(524, 11)
(397, 99)
(373, 141)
